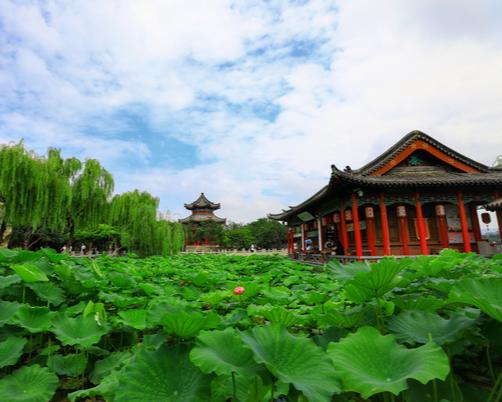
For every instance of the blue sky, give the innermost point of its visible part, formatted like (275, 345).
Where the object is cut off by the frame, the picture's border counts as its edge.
(247, 101)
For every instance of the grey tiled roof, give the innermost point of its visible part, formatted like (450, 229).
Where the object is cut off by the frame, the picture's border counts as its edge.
(202, 202)
(494, 205)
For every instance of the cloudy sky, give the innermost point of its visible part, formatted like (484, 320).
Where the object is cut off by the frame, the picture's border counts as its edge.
(248, 101)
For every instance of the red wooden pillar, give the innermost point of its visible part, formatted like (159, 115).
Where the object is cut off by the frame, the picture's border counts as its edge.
(385, 226)
(421, 225)
(370, 229)
(473, 212)
(357, 229)
(403, 228)
(442, 225)
(343, 225)
(463, 222)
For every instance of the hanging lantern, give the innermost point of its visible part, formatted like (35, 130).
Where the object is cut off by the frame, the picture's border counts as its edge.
(348, 215)
(336, 217)
(401, 211)
(306, 227)
(315, 224)
(486, 218)
(324, 221)
(440, 211)
(370, 214)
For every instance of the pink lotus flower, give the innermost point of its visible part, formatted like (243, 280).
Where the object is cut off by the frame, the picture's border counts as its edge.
(239, 290)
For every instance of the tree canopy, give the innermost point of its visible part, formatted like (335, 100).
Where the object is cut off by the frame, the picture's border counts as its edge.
(51, 197)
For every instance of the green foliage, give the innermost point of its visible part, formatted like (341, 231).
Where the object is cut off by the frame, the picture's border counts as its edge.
(422, 326)
(146, 375)
(51, 200)
(237, 236)
(268, 233)
(295, 360)
(80, 330)
(135, 214)
(29, 384)
(11, 350)
(71, 365)
(370, 363)
(263, 233)
(29, 273)
(485, 293)
(171, 328)
(223, 353)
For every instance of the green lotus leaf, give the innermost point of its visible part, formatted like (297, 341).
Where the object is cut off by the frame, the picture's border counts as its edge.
(80, 330)
(280, 315)
(30, 272)
(186, 324)
(422, 326)
(370, 363)
(484, 293)
(380, 279)
(7, 311)
(346, 272)
(7, 281)
(295, 360)
(11, 350)
(104, 367)
(71, 365)
(135, 318)
(48, 291)
(34, 319)
(165, 375)
(419, 302)
(29, 384)
(334, 316)
(222, 352)
(248, 389)
(105, 389)
(7, 255)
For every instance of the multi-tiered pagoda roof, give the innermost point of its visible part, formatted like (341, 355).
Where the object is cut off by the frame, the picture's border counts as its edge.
(202, 211)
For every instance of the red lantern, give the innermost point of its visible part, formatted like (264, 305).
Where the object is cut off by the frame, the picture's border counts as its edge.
(324, 221)
(348, 215)
(370, 214)
(486, 218)
(336, 217)
(440, 211)
(315, 224)
(401, 211)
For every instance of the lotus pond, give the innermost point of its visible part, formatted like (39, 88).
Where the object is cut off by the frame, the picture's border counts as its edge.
(173, 329)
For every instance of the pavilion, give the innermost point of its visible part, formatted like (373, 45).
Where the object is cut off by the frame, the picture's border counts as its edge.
(202, 214)
(418, 197)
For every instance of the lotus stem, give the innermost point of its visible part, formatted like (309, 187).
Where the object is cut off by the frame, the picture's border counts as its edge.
(24, 292)
(494, 390)
(234, 387)
(490, 366)
(435, 388)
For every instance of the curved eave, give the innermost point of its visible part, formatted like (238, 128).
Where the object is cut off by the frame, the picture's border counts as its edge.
(494, 205)
(200, 219)
(300, 207)
(492, 178)
(404, 143)
(194, 206)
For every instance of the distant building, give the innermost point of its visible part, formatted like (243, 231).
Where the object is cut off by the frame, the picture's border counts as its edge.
(416, 198)
(201, 224)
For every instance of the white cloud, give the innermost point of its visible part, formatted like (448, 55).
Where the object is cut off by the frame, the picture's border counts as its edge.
(344, 80)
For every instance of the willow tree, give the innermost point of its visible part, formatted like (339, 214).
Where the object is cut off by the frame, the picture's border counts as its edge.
(135, 213)
(91, 191)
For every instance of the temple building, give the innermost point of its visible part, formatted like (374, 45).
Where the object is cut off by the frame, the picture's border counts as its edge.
(418, 197)
(203, 226)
